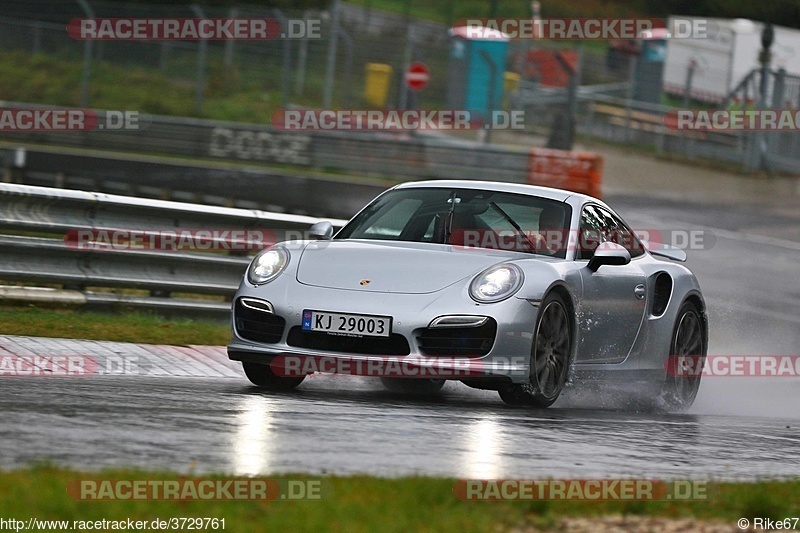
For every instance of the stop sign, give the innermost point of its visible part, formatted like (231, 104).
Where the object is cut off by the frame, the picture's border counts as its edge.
(417, 76)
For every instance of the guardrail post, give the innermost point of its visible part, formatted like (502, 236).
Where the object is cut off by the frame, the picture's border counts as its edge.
(14, 163)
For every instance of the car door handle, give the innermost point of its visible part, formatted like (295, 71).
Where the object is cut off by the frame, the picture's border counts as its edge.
(640, 292)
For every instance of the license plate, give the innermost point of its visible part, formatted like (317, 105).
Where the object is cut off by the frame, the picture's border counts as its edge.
(347, 324)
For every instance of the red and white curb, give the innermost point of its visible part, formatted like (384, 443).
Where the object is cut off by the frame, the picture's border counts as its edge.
(53, 357)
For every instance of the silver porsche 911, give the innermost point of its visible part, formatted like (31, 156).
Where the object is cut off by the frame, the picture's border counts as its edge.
(514, 288)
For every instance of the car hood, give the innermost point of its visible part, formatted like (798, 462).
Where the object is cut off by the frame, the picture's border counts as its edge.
(392, 267)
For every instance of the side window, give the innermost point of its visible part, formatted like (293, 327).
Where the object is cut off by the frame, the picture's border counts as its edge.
(590, 232)
(599, 225)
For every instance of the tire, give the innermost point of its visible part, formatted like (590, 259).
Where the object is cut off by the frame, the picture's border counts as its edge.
(413, 386)
(263, 376)
(678, 392)
(551, 351)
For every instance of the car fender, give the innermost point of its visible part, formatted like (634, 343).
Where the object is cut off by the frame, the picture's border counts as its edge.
(542, 277)
(652, 347)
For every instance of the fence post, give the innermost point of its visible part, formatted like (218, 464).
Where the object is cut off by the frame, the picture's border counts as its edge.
(687, 88)
(778, 88)
(408, 53)
(227, 55)
(300, 77)
(201, 64)
(562, 135)
(334, 35)
(757, 159)
(348, 67)
(629, 102)
(286, 58)
(490, 103)
(687, 97)
(572, 97)
(162, 57)
(37, 37)
(87, 57)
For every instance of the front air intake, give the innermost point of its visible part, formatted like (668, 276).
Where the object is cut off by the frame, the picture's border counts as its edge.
(255, 321)
(469, 341)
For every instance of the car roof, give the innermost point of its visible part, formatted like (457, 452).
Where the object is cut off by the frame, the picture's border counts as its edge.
(498, 186)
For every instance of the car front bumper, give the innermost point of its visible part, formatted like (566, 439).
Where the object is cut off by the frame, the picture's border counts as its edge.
(412, 314)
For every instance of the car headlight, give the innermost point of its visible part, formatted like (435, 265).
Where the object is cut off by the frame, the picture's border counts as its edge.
(267, 265)
(496, 283)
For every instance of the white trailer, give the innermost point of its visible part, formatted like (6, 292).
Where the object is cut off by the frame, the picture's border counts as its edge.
(725, 57)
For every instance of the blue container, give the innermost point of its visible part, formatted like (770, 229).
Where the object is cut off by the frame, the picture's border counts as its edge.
(649, 75)
(470, 84)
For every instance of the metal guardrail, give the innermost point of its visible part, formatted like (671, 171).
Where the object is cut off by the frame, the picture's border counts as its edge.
(396, 155)
(206, 183)
(534, 94)
(44, 260)
(48, 260)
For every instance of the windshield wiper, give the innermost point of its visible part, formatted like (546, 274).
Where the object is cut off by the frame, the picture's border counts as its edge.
(531, 247)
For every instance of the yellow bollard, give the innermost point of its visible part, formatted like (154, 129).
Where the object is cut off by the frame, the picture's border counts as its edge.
(376, 84)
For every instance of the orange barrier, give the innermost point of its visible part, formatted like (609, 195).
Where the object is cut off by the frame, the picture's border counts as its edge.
(574, 171)
(543, 67)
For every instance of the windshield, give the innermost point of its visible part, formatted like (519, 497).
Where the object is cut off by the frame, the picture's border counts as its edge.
(465, 217)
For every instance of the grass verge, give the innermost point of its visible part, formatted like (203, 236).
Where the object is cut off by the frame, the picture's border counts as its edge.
(363, 503)
(134, 326)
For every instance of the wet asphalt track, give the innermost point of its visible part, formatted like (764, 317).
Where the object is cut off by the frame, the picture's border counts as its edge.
(740, 428)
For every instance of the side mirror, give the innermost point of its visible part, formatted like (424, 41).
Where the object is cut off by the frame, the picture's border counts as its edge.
(609, 253)
(321, 231)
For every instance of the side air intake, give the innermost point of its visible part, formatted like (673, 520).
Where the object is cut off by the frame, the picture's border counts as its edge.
(662, 291)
